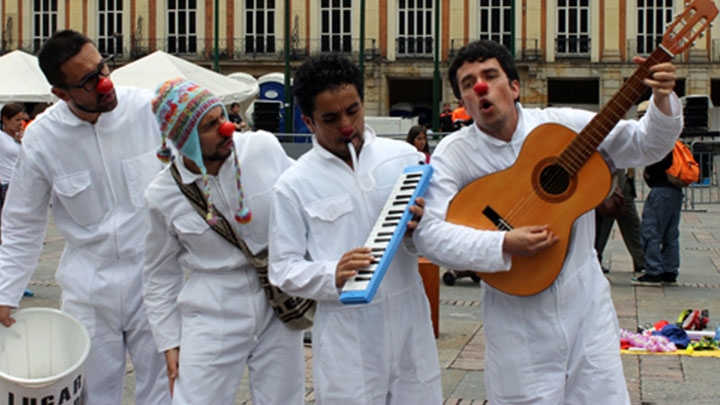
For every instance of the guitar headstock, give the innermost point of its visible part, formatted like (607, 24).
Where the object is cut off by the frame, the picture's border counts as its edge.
(688, 26)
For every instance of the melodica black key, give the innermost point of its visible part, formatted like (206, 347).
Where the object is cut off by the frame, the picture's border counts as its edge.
(387, 234)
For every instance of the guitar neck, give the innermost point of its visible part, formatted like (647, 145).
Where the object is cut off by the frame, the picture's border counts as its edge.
(579, 151)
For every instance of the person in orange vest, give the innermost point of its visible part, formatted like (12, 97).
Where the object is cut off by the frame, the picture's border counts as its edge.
(446, 124)
(460, 117)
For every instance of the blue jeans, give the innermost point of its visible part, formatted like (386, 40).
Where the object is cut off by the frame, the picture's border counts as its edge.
(660, 231)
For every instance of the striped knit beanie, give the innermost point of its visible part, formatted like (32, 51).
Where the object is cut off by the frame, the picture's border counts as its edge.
(179, 106)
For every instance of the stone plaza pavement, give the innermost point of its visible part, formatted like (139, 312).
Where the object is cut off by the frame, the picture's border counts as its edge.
(651, 379)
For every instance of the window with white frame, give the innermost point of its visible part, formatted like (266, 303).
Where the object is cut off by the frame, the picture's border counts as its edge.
(45, 16)
(573, 27)
(496, 21)
(415, 28)
(182, 26)
(652, 18)
(259, 26)
(336, 26)
(110, 35)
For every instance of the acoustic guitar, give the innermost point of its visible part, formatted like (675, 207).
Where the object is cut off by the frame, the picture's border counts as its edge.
(559, 175)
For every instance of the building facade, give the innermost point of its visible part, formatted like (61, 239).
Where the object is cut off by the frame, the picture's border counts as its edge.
(569, 52)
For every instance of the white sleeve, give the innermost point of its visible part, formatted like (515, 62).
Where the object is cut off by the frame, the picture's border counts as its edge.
(289, 268)
(455, 246)
(24, 224)
(641, 143)
(162, 281)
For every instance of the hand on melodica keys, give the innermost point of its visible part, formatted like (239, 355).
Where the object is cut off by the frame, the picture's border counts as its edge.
(418, 209)
(349, 263)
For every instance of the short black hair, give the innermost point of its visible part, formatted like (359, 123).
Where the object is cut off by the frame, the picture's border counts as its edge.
(61, 46)
(324, 72)
(234, 104)
(480, 51)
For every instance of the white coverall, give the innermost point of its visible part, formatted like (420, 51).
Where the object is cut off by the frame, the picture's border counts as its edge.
(378, 353)
(560, 345)
(94, 175)
(9, 151)
(220, 317)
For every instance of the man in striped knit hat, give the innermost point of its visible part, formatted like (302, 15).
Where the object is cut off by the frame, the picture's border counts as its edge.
(219, 320)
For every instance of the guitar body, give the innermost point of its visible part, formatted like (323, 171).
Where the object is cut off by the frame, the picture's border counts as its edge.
(534, 191)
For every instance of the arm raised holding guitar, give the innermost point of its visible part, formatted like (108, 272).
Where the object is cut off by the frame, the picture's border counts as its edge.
(512, 198)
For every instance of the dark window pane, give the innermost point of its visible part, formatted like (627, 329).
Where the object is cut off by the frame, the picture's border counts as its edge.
(345, 24)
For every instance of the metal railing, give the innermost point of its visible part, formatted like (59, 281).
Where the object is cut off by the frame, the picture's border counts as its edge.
(707, 189)
(526, 50)
(270, 48)
(572, 47)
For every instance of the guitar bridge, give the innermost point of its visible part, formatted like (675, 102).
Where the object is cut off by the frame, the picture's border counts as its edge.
(499, 222)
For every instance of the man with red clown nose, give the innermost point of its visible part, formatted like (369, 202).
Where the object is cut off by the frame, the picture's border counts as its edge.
(324, 207)
(218, 321)
(89, 157)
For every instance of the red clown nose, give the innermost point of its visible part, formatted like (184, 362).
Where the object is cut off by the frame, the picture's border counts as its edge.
(104, 86)
(347, 132)
(227, 128)
(481, 88)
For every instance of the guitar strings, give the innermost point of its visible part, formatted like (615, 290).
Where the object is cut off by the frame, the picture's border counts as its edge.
(573, 159)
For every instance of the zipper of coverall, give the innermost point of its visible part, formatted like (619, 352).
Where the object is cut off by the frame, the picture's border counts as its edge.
(365, 191)
(251, 272)
(110, 183)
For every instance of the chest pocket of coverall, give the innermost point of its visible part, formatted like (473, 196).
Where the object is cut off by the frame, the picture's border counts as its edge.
(193, 233)
(328, 217)
(76, 198)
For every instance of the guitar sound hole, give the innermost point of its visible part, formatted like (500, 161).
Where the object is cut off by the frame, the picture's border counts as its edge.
(554, 180)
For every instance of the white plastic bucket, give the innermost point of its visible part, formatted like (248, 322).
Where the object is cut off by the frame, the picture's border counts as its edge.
(42, 357)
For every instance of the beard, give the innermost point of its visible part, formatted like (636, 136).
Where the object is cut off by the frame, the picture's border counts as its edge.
(99, 106)
(217, 156)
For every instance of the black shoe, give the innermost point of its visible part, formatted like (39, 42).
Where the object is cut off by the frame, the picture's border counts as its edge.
(647, 280)
(639, 270)
(668, 279)
(605, 270)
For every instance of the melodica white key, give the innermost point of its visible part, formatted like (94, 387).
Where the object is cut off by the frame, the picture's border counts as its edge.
(387, 234)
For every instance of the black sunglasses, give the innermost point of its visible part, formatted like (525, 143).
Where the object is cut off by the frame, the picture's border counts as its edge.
(90, 82)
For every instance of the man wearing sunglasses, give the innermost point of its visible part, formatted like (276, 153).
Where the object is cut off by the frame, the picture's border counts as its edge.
(89, 156)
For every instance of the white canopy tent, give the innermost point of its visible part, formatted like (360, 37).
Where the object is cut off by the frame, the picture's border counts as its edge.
(149, 71)
(22, 81)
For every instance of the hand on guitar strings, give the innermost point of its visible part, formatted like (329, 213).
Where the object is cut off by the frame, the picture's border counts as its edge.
(350, 263)
(418, 209)
(528, 240)
(661, 79)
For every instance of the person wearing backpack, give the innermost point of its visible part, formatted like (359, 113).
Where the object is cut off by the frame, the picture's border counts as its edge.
(659, 228)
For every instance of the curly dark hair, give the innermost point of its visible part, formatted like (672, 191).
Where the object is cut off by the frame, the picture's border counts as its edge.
(61, 46)
(324, 72)
(480, 51)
